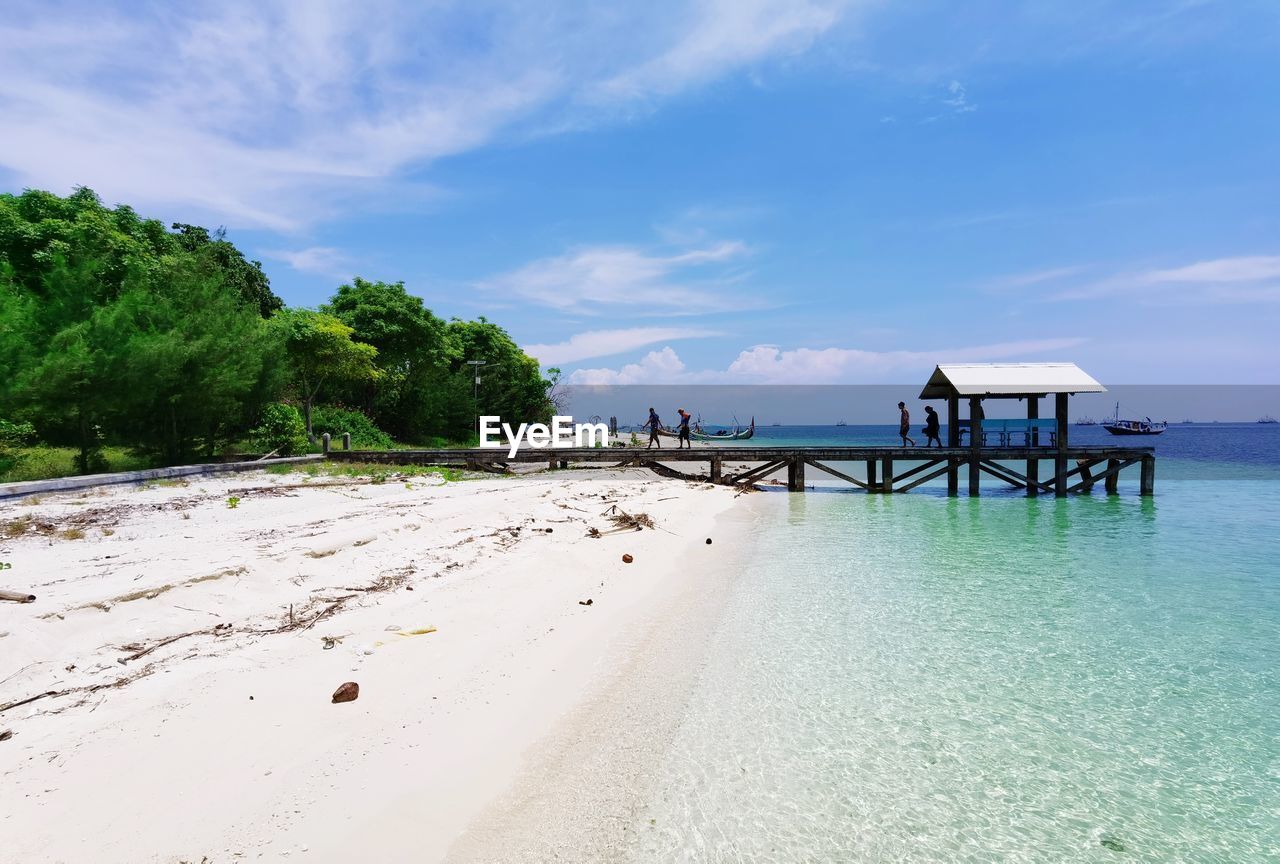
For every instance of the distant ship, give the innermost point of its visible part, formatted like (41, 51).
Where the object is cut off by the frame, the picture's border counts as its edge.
(842, 423)
(1267, 418)
(1086, 421)
(1116, 426)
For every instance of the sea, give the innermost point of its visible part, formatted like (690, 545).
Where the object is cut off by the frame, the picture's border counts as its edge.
(917, 678)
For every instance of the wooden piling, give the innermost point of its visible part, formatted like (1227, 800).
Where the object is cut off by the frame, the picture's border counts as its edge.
(717, 469)
(886, 475)
(795, 474)
(1112, 483)
(1148, 482)
(872, 484)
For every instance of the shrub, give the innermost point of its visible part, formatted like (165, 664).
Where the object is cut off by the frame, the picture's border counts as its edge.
(364, 434)
(13, 435)
(280, 430)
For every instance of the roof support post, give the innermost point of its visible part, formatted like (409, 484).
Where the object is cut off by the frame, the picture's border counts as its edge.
(1033, 440)
(953, 440)
(975, 445)
(1060, 458)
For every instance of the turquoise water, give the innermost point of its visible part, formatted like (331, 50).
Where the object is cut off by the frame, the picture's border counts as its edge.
(916, 678)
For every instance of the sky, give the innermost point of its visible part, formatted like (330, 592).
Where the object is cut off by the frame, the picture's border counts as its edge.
(724, 191)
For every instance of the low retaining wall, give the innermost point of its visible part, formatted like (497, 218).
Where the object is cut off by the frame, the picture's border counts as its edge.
(89, 481)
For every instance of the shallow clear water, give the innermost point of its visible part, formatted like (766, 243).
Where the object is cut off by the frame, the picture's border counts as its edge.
(916, 678)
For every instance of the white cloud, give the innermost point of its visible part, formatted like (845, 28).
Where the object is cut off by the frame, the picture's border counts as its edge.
(277, 114)
(657, 367)
(320, 260)
(595, 278)
(1246, 269)
(602, 343)
(769, 364)
(1244, 279)
(718, 34)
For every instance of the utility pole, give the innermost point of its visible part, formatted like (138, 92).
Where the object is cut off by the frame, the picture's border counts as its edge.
(475, 390)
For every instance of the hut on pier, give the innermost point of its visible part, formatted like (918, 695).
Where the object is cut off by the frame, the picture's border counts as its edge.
(1028, 382)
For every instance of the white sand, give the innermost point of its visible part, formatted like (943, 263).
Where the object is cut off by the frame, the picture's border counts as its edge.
(181, 764)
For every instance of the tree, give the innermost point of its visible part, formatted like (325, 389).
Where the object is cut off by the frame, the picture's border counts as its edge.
(243, 277)
(320, 350)
(511, 382)
(413, 354)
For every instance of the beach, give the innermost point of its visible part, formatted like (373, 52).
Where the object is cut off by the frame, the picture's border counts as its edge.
(197, 631)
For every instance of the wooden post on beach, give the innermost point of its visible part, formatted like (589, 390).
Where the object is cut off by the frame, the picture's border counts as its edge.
(1148, 483)
(871, 476)
(795, 474)
(886, 475)
(953, 440)
(1033, 440)
(1060, 459)
(1112, 484)
(975, 445)
(324, 443)
(346, 440)
(717, 469)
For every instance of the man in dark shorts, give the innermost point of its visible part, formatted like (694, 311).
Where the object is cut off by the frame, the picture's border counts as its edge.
(904, 425)
(684, 429)
(653, 424)
(932, 427)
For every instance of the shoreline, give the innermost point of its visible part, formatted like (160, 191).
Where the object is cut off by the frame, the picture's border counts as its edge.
(237, 727)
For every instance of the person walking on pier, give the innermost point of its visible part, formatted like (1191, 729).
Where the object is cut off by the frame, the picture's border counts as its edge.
(904, 425)
(653, 424)
(932, 429)
(685, 417)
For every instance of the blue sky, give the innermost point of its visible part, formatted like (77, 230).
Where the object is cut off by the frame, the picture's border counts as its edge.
(733, 191)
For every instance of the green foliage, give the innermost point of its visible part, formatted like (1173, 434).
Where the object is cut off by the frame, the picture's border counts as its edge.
(280, 430)
(113, 329)
(233, 502)
(320, 349)
(364, 434)
(44, 462)
(242, 277)
(13, 435)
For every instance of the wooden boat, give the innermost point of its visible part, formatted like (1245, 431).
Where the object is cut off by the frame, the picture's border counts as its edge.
(738, 434)
(1116, 426)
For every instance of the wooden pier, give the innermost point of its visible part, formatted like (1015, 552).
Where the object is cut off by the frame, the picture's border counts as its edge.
(990, 448)
(874, 469)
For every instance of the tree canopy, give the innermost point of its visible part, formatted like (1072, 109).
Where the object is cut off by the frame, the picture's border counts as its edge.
(116, 329)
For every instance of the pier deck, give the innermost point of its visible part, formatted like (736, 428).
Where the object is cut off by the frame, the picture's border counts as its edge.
(875, 469)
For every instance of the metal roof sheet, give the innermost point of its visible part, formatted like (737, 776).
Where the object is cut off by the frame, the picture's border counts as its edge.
(1008, 379)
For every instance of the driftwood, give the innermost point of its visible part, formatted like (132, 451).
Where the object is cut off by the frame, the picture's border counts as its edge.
(17, 596)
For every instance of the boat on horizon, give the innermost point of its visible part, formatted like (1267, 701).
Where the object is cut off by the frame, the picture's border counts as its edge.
(1267, 418)
(841, 423)
(1086, 421)
(1146, 426)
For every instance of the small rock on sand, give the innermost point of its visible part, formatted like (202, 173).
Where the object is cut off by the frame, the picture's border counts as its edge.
(627, 559)
(348, 692)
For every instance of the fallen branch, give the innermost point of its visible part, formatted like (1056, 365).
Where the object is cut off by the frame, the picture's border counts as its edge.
(17, 596)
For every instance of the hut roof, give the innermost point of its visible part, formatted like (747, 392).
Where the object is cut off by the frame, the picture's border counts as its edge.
(1008, 379)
